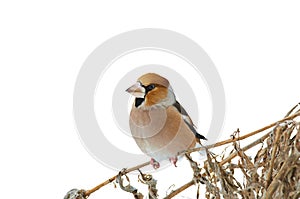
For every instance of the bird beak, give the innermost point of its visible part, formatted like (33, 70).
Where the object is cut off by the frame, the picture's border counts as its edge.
(136, 90)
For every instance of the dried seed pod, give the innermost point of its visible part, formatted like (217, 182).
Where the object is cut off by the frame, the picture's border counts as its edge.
(75, 194)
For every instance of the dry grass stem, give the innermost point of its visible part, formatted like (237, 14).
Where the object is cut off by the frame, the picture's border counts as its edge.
(270, 170)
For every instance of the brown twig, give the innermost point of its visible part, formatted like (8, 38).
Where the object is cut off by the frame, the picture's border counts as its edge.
(292, 109)
(180, 189)
(277, 132)
(89, 192)
(249, 146)
(231, 156)
(242, 137)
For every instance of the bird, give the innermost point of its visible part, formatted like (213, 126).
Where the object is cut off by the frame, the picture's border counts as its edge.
(160, 126)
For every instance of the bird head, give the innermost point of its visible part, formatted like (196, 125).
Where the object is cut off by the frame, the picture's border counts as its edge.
(152, 90)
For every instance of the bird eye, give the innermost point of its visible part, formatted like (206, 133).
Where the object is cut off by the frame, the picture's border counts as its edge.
(150, 87)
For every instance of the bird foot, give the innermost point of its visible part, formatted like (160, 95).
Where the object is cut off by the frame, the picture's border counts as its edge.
(173, 160)
(154, 163)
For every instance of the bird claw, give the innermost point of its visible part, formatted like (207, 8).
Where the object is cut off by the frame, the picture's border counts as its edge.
(173, 160)
(154, 163)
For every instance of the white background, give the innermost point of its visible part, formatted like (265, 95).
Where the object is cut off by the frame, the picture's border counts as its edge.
(255, 47)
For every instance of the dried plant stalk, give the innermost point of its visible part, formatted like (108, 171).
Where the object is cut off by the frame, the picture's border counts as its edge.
(273, 171)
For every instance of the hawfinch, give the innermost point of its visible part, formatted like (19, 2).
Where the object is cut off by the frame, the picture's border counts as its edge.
(159, 124)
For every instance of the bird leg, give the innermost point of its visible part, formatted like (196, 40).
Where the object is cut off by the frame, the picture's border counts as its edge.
(173, 160)
(154, 163)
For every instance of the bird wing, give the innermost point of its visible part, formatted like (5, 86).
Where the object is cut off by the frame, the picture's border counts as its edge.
(188, 121)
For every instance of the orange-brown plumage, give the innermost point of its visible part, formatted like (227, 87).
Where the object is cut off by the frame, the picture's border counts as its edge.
(153, 78)
(156, 95)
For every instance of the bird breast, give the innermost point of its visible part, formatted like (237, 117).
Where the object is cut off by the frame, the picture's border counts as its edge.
(147, 123)
(160, 132)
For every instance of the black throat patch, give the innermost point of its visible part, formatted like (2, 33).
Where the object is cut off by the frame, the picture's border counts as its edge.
(138, 101)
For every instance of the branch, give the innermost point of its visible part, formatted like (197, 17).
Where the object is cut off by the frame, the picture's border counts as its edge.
(180, 189)
(87, 193)
(274, 151)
